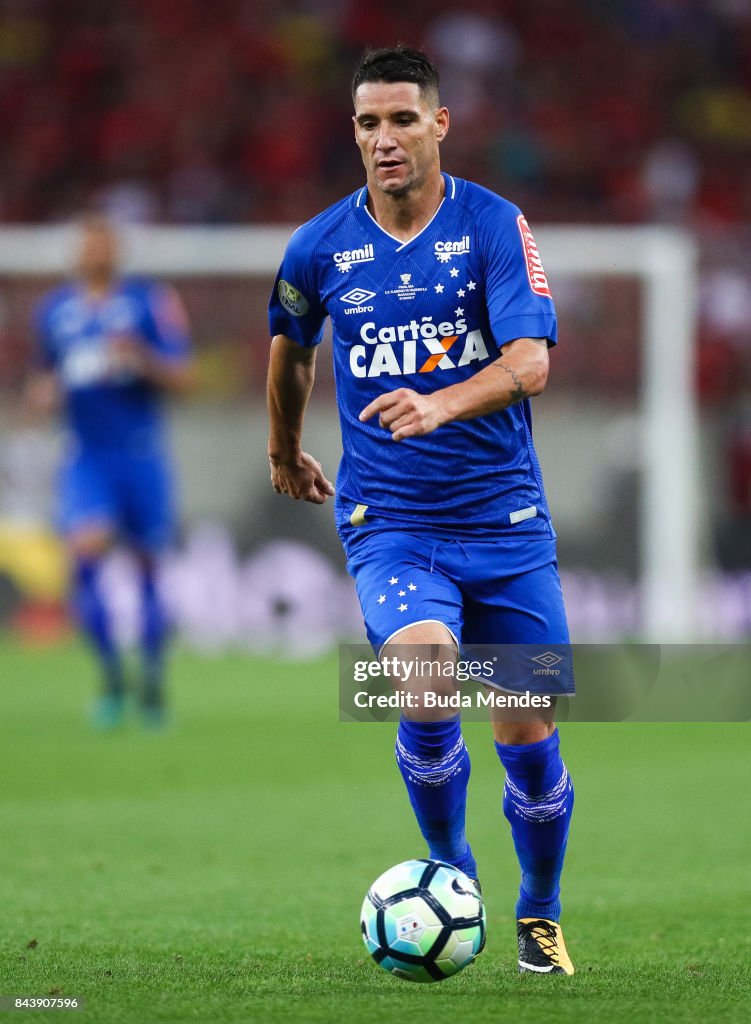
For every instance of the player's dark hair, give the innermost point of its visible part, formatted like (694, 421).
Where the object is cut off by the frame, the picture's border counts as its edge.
(397, 64)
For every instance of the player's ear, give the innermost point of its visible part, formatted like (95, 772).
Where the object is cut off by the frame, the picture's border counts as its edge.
(441, 123)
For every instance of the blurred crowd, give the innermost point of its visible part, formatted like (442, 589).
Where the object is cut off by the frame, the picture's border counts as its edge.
(238, 110)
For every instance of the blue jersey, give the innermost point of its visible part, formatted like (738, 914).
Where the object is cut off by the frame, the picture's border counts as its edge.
(108, 409)
(423, 314)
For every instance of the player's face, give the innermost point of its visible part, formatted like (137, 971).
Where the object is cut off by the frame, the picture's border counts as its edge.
(98, 254)
(398, 132)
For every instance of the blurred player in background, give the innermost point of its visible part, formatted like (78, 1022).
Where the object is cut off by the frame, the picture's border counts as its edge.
(442, 319)
(109, 349)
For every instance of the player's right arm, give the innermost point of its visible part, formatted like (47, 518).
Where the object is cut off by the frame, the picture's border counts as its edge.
(296, 316)
(40, 396)
(290, 381)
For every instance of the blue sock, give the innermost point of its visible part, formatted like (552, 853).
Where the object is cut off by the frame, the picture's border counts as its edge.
(435, 767)
(154, 632)
(538, 799)
(93, 618)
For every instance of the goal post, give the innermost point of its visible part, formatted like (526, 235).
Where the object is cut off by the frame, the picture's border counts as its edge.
(663, 259)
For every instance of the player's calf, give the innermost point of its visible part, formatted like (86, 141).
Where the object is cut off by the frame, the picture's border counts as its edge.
(538, 800)
(430, 750)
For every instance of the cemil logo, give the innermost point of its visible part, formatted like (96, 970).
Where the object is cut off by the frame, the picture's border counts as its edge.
(357, 296)
(444, 251)
(348, 257)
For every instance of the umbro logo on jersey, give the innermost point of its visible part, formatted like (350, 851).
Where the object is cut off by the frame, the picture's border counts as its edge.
(445, 251)
(356, 300)
(357, 296)
(349, 257)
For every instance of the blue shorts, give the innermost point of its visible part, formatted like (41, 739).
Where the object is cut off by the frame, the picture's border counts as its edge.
(130, 494)
(499, 591)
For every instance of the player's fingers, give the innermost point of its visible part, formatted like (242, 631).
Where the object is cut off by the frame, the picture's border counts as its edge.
(395, 414)
(404, 419)
(283, 485)
(407, 432)
(372, 409)
(324, 486)
(410, 429)
(320, 482)
(381, 403)
(311, 487)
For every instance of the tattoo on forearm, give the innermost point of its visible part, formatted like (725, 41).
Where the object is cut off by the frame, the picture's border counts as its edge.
(518, 393)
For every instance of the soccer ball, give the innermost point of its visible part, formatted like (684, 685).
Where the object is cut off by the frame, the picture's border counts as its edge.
(423, 920)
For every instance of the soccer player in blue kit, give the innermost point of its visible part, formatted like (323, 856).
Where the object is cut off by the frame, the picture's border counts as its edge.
(442, 319)
(109, 349)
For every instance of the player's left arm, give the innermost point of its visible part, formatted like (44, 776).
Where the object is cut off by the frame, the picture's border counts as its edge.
(520, 372)
(162, 356)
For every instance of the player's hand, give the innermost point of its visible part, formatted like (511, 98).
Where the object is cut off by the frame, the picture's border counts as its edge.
(405, 413)
(41, 397)
(301, 478)
(129, 355)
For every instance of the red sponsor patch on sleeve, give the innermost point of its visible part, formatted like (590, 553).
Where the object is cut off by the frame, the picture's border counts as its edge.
(535, 272)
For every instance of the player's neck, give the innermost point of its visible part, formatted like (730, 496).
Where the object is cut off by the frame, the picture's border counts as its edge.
(96, 286)
(405, 216)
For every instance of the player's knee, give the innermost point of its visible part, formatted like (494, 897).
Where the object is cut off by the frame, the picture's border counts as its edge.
(428, 693)
(424, 634)
(90, 543)
(421, 662)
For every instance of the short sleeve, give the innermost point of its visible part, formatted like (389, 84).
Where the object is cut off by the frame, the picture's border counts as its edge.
(167, 327)
(517, 293)
(295, 308)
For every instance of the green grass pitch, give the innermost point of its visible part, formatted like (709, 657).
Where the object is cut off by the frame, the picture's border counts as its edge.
(215, 872)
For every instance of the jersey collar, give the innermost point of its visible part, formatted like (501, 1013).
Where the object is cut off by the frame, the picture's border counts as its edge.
(361, 204)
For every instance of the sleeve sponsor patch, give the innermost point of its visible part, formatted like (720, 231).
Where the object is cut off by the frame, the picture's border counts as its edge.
(535, 272)
(293, 300)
